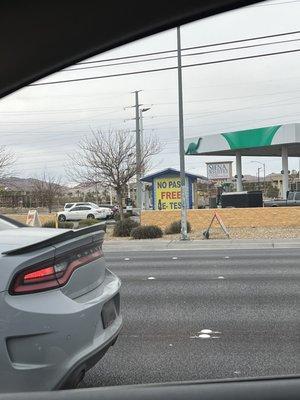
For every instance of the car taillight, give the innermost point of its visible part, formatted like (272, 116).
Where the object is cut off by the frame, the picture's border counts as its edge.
(53, 273)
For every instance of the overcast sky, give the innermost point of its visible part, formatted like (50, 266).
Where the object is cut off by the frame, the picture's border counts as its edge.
(43, 124)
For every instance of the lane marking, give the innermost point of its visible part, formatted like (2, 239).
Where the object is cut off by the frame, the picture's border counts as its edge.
(206, 334)
(206, 331)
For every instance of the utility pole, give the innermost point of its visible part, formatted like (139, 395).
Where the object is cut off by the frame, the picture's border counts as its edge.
(184, 234)
(141, 128)
(138, 152)
(142, 110)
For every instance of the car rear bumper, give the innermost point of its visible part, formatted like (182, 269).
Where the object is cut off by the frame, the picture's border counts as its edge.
(73, 377)
(47, 337)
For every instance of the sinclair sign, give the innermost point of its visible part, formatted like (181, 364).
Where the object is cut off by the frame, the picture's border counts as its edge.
(219, 170)
(167, 193)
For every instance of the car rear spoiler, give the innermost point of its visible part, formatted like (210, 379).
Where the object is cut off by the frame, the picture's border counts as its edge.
(58, 239)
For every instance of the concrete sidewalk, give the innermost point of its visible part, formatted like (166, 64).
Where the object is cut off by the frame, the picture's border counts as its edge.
(163, 245)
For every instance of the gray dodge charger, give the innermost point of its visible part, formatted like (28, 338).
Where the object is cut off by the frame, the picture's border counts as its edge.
(59, 306)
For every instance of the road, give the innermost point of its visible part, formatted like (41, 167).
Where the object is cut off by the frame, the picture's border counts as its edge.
(248, 298)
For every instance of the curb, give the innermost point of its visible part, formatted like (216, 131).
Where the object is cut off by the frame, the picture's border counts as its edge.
(161, 245)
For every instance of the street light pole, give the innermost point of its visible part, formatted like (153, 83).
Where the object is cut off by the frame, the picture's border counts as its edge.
(184, 234)
(264, 172)
(258, 182)
(264, 165)
(138, 151)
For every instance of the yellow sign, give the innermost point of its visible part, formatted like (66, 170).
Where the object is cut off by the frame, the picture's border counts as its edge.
(167, 193)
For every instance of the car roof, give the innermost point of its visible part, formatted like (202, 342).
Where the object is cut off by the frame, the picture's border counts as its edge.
(83, 29)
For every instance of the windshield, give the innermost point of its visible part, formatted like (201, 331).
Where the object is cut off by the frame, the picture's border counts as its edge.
(191, 139)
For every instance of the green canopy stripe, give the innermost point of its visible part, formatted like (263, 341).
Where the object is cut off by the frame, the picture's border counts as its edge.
(259, 137)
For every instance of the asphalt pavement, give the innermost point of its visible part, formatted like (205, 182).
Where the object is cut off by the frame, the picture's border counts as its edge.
(204, 315)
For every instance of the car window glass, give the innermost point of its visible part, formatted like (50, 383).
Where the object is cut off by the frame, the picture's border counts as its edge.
(210, 292)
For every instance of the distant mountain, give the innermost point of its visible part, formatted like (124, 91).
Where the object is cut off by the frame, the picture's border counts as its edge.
(86, 188)
(20, 184)
(250, 178)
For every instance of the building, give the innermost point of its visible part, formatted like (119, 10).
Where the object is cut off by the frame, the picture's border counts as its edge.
(164, 190)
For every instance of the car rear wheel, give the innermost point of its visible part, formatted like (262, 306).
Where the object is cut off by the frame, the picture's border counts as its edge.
(61, 218)
(91, 216)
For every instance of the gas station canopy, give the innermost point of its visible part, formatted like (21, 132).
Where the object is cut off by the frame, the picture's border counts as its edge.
(266, 142)
(278, 140)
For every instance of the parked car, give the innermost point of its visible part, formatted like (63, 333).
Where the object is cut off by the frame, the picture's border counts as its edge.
(59, 304)
(293, 199)
(77, 213)
(113, 207)
(108, 211)
(67, 206)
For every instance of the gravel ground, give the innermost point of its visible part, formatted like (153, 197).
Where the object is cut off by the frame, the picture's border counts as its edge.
(235, 233)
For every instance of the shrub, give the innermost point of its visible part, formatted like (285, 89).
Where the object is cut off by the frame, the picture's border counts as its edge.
(89, 222)
(146, 232)
(49, 224)
(175, 227)
(66, 225)
(63, 225)
(123, 228)
(117, 216)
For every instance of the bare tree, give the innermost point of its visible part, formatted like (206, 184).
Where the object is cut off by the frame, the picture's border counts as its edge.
(7, 159)
(110, 160)
(47, 190)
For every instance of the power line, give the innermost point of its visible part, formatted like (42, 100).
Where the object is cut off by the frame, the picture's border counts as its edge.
(113, 108)
(12, 113)
(193, 47)
(219, 112)
(166, 68)
(184, 55)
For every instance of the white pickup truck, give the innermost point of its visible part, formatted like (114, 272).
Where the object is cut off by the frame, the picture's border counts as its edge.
(293, 199)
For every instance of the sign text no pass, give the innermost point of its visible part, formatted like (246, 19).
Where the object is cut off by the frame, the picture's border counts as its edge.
(168, 195)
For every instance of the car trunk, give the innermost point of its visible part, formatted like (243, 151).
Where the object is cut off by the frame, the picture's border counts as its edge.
(92, 273)
(23, 247)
